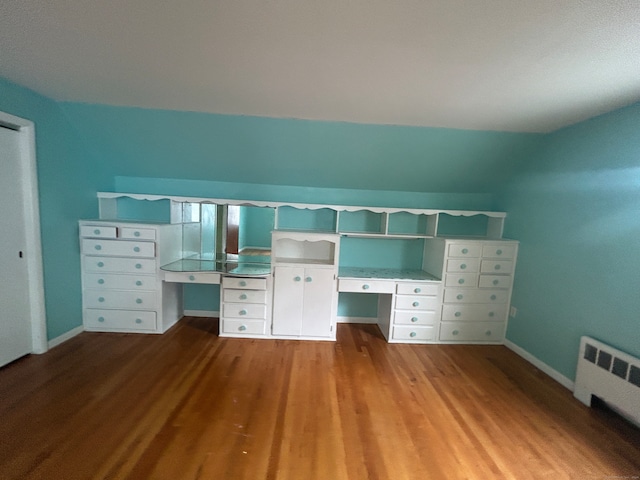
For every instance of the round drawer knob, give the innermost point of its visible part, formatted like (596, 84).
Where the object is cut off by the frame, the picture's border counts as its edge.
(416, 304)
(101, 299)
(497, 267)
(243, 283)
(463, 266)
(414, 319)
(461, 281)
(458, 314)
(243, 296)
(138, 320)
(136, 234)
(465, 251)
(138, 266)
(297, 279)
(138, 301)
(498, 252)
(100, 264)
(97, 232)
(365, 287)
(455, 332)
(496, 282)
(488, 333)
(192, 277)
(493, 297)
(412, 334)
(136, 249)
(459, 296)
(243, 312)
(492, 314)
(101, 319)
(101, 281)
(98, 247)
(139, 283)
(308, 279)
(417, 290)
(242, 328)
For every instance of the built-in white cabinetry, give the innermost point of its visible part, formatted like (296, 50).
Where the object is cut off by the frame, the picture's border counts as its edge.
(477, 276)
(122, 288)
(305, 278)
(244, 306)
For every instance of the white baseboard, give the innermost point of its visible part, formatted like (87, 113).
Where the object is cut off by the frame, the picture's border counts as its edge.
(65, 336)
(201, 313)
(372, 320)
(540, 365)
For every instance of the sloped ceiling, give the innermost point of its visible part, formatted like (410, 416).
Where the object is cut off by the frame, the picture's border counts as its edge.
(526, 66)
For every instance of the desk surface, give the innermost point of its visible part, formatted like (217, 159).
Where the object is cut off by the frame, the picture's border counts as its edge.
(386, 274)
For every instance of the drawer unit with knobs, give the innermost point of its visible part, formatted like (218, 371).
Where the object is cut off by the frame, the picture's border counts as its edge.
(121, 280)
(416, 312)
(244, 306)
(478, 277)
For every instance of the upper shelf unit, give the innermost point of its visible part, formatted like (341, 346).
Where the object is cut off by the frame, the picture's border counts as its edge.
(356, 221)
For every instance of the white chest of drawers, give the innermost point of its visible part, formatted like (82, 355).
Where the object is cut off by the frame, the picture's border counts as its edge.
(478, 278)
(245, 306)
(122, 289)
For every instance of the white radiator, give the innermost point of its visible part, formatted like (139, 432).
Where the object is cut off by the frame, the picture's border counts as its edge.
(609, 374)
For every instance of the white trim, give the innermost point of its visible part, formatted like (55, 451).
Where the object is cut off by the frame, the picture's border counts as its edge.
(65, 336)
(369, 320)
(35, 275)
(202, 313)
(557, 376)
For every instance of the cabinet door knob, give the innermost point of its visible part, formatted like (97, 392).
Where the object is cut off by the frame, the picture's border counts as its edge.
(414, 319)
(192, 277)
(139, 283)
(463, 266)
(416, 304)
(459, 296)
(138, 301)
(458, 314)
(136, 249)
(496, 282)
(497, 267)
(243, 283)
(136, 233)
(100, 264)
(101, 281)
(243, 312)
(498, 252)
(297, 279)
(492, 314)
(412, 334)
(101, 319)
(465, 251)
(455, 332)
(97, 232)
(101, 299)
(138, 266)
(417, 290)
(308, 279)
(243, 296)
(488, 333)
(138, 320)
(365, 287)
(98, 247)
(461, 281)
(493, 297)
(242, 328)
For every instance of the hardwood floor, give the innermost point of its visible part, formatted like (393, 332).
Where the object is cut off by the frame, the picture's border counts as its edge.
(190, 405)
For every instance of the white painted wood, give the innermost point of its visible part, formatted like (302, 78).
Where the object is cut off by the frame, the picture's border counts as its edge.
(288, 300)
(410, 334)
(211, 278)
(60, 339)
(202, 313)
(319, 302)
(360, 285)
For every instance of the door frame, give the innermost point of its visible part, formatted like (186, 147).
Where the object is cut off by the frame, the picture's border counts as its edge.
(29, 186)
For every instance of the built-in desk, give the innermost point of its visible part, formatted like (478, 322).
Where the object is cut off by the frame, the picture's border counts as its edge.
(207, 269)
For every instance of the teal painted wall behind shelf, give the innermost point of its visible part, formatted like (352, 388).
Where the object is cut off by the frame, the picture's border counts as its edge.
(576, 212)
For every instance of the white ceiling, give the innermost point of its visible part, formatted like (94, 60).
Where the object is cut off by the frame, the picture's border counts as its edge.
(512, 65)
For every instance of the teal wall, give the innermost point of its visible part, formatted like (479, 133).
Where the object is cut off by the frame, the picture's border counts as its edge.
(67, 181)
(576, 211)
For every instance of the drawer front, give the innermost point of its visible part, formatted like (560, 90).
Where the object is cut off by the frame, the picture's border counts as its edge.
(251, 327)
(358, 285)
(463, 265)
(138, 233)
(98, 231)
(245, 283)
(461, 280)
(244, 296)
(464, 250)
(427, 288)
(123, 265)
(414, 302)
(244, 310)
(122, 282)
(95, 319)
(417, 334)
(457, 295)
(496, 266)
(477, 312)
(403, 317)
(116, 248)
(192, 277)
(499, 251)
(472, 332)
(94, 298)
(495, 281)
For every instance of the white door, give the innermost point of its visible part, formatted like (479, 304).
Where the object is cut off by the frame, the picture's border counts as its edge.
(288, 292)
(319, 292)
(15, 326)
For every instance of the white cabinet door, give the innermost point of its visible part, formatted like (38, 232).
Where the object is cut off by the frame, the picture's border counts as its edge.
(288, 290)
(303, 301)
